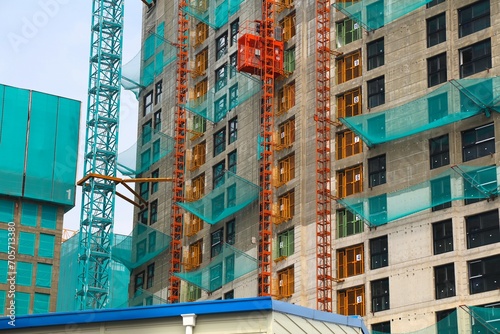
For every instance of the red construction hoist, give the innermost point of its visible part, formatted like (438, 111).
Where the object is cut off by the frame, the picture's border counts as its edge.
(323, 174)
(179, 149)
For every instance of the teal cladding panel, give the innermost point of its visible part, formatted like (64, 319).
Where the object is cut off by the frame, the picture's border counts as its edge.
(22, 303)
(13, 127)
(46, 246)
(27, 243)
(3, 272)
(6, 210)
(49, 217)
(24, 273)
(41, 303)
(29, 214)
(43, 275)
(4, 235)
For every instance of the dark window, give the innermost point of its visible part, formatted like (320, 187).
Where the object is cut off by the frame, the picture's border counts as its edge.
(231, 196)
(230, 232)
(144, 190)
(143, 217)
(475, 58)
(375, 52)
(441, 193)
(146, 132)
(158, 92)
(379, 253)
(153, 212)
(483, 274)
(446, 322)
(139, 282)
(437, 106)
(233, 130)
(148, 103)
(436, 30)
(439, 149)
(380, 295)
(220, 108)
(376, 92)
(482, 229)
(434, 2)
(221, 46)
(219, 141)
(218, 174)
(217, 239)
(154, 185)
(152, 242)
(233, 96)
(140, 250)
(157, 121)
(233, 62)
(229, 295)
(234, 32)
(220, 77)
(377, 206)
(232, 160)
(473, 18)
(478, 142)
(444, 279)
(382, 327)
(480, 184)
(216, 277)
(436, 70)
(229, 268)
(376, 170)
(443, 236)
(151, 275)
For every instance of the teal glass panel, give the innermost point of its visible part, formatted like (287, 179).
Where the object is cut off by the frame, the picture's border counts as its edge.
(23, 300)
(46, 247)
(49, 217)
(29, 214)
(24, 273)
(4, 246)
(41, 303)
(3, 272)
(43, 275)
(27, 243)
(6, 211)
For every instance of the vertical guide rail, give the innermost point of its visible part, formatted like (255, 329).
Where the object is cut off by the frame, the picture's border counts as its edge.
(267, 126)
(323, 174)
(180, 138)
(101, 145)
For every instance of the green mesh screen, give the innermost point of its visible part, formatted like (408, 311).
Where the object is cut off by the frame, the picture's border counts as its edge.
(27, 243)
(29, 214)
(24, 273)
(214, 13)
(142, 298)
(487, 319)
(373, 14)
(458, 183)
(43, 275)
(452, 102)
(23, 300)
(49, 217)
(3, 271)
(140, 246)
(230, 91)
(46, 245)
(41, 303)
(134, 161)
(156, 53)
(4, 245)
(6, 211)
(233, 194)
(2, 302)
(229, 265)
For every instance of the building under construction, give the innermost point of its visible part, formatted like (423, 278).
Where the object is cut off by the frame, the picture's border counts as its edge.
(340, 156)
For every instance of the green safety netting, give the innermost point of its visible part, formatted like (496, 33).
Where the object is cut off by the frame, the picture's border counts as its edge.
(214, 13)
(229, 265)
(140, 246)
(156, 53)
(452, 102)
(143, 298)
(373, 14)
(233, 194)
(226, 95)
(139, 157)
(487, 319)
(457, 183)
(69, 271)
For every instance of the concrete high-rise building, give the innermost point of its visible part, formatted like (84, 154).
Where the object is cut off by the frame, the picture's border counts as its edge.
(38, 146)
(383, 154)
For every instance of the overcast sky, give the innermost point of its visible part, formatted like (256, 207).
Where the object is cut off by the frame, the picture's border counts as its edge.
(44, 46)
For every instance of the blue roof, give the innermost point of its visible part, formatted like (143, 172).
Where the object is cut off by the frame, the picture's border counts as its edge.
(175, 310)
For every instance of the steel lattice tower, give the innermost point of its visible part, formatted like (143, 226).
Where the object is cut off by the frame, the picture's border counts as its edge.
(101, 144)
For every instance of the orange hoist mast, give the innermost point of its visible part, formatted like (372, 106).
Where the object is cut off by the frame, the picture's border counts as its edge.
(267, 126)
(323, 174)
(179, 149)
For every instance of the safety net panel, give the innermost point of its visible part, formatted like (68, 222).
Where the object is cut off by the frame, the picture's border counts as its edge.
(231, 89)
(214, 13)
(487, 319)
(156, 53)
(373, 14)
(231, 194)
(140, 246)
(227, 266)
(134, 160)
(457, 183)
(452, 102)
